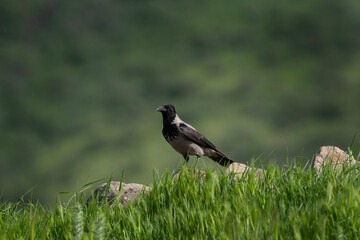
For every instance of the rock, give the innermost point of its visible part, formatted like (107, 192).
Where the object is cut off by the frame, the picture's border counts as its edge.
(197, 173)
(333, 155)
(129, 191)
(239, 169)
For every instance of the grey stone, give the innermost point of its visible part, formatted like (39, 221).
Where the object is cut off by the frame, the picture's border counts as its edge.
(129, 192)
(333, 155)
(240, 169)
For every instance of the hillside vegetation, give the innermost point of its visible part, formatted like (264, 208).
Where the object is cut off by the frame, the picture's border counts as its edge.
(291, 203)
(80, 82)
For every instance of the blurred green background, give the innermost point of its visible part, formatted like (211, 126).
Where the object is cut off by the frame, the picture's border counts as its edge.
(80, 82)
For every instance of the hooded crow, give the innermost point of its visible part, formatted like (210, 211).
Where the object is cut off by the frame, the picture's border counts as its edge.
(186, 140)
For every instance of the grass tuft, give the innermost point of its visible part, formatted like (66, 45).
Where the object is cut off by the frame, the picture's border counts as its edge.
(291, 203)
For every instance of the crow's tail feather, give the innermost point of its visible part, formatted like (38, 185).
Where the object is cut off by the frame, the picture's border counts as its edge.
(221, 159)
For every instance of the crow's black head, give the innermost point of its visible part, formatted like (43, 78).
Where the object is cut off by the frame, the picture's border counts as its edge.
(167, 111)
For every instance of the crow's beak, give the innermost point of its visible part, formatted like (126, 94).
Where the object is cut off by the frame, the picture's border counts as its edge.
(160, 109)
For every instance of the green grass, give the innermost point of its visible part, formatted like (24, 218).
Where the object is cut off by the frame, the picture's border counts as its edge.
(284, 204)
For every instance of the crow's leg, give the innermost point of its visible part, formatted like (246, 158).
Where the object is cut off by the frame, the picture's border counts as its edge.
(186, 157)
(179, 167)
(197, 160)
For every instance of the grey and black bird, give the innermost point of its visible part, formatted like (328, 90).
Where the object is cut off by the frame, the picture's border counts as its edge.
(186, 140)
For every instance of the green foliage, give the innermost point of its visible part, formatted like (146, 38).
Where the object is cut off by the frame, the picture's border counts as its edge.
(288, 203)
(80, 82)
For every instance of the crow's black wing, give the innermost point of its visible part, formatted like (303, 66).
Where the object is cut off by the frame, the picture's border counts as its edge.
(202, 141)
(195, 136)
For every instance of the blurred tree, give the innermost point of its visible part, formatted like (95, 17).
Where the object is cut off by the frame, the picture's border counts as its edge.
(80, 82)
